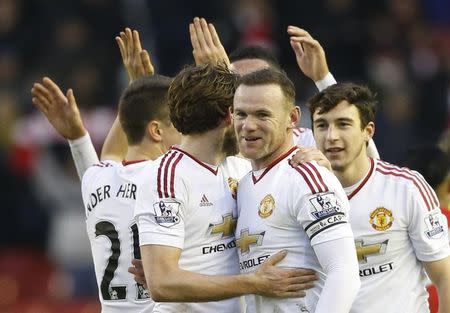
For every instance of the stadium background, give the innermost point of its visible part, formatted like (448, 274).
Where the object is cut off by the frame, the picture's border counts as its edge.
(400, 48)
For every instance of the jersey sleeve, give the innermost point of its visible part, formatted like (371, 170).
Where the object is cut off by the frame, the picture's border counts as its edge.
(323, 209)
(428, 229)
(160, 216)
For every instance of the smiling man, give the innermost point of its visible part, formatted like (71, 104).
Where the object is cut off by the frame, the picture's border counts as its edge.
(301, 209)
(399, 230)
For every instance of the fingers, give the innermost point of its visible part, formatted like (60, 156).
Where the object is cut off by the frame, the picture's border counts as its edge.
(206, 32)
(147, 63)
(121, 45)
(297, 31)
(71, 99)
(40, 102)
(312, 43)
(53, 88)
(200, 35)
(129, 42)
(214, 35)
(297, 47)
(194, 38)
(277, 257)
(136, 42)
(137, 263)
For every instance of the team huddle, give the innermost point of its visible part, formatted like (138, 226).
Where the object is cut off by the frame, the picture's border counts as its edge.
(208, 197)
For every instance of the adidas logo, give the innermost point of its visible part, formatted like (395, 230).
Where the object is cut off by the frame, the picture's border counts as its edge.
(205, 201)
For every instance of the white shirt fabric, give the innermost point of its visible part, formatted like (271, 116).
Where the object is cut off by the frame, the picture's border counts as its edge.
(189, 205)
(109, 196)
(397, 223)
(304, 137)
(281, 207)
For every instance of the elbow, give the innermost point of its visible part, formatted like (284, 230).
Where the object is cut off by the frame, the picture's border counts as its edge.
(161, 293)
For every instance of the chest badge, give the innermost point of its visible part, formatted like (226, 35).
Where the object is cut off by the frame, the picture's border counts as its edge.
(266, 206)
(381, 219)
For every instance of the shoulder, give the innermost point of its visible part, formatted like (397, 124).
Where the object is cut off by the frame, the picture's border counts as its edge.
(99, 170)
(317, 178)
(304, 137)
(410, 180)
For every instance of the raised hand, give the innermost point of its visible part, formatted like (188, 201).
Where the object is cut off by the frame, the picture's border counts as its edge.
(206, 45)
(309, 53)
(277, 282)
(135, 59)
(61, 110)
(310, 154)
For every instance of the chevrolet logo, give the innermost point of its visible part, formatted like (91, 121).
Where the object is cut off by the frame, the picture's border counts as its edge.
(363, 251)
(246, 240)
(226, 228)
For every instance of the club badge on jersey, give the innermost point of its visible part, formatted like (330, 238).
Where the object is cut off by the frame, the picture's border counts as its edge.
(266, 206)
(381, 219)
(167, 212)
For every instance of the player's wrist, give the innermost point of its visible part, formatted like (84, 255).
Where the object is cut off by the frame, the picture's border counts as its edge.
(325, 82)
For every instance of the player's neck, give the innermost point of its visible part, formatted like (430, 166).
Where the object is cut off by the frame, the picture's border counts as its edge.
(140, 152)
(270, 158)
(354, 172)
(206, 147)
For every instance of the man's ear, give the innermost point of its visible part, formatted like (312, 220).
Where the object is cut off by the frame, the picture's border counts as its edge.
(370, 131)
(294, 117)
(154, 131)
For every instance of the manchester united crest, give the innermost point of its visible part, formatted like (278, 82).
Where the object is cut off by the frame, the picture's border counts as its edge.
(233, 184)
(381, 219)
(266, 206)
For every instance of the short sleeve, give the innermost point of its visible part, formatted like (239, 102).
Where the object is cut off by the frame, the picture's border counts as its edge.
(428, 229)
(323, 212)
(160, 219)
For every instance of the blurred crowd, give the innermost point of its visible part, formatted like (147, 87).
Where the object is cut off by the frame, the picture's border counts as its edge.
(400, 48)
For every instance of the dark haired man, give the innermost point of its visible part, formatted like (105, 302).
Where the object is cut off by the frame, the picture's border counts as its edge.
(399, 230)
(107, 187)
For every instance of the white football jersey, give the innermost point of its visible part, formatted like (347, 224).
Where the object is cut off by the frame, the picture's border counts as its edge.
(304, 137)
(292, 208)
(397, 223)
(190, 205)
(109, 197)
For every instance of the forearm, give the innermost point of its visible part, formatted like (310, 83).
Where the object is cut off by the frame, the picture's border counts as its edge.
(116, 144)
(338, 259)
(444, 296)
(83, 153)
(185, 286)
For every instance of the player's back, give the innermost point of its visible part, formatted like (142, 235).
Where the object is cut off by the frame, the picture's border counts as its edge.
(109, 197)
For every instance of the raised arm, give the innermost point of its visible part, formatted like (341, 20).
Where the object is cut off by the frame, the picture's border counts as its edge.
(206, 45)
(137, 63)
(312, 62)
(309, 54)
(62, 112)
